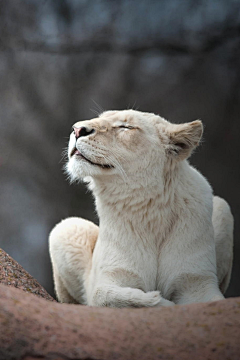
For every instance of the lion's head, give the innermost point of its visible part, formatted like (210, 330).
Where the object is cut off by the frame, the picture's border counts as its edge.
(128, 142)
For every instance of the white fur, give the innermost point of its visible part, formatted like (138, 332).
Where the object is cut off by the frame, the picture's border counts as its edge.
(158, 235)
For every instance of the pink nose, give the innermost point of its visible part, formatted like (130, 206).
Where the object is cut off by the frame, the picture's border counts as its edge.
(82, 131)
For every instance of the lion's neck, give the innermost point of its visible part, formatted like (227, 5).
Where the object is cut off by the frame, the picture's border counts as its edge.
(142, 204)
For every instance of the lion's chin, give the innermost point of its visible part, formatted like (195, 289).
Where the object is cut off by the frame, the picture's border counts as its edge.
(78, 168)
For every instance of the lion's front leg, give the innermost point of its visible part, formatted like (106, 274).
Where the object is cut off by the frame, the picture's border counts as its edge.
(196, 289)
(71, 245)
(112, 295)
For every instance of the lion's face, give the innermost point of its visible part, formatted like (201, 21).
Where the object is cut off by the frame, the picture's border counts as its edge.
(124, 143)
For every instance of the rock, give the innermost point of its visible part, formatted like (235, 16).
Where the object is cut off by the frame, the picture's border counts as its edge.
(12, 274)
(33, 328)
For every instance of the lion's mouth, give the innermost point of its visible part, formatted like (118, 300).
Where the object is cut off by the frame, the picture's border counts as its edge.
(76, 152)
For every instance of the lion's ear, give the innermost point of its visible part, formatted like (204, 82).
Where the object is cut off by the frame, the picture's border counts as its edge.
(184, 138)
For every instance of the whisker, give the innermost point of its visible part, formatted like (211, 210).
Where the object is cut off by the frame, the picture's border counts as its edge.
(134, 106)
(114, 153)
(116, 163)
(94, 112)
(109, 159)
(64, 155)
(98, 107)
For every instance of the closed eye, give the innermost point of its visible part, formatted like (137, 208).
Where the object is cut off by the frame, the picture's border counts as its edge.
(126, 127)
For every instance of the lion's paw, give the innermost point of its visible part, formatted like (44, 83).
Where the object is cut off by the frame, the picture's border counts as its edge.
(153, 298)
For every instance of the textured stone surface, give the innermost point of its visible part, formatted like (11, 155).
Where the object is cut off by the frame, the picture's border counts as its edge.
(12, 274)
(33, 328)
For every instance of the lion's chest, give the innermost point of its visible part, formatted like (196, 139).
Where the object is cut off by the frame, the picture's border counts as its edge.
(130, 241)
(134, 255)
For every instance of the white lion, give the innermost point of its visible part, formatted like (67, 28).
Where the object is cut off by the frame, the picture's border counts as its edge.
(163, 238)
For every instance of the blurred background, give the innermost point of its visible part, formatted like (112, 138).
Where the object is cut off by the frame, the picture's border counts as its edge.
(61, 61)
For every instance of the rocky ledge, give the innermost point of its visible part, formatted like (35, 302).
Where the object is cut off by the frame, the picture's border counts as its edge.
(34, 328)
(13, 274)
